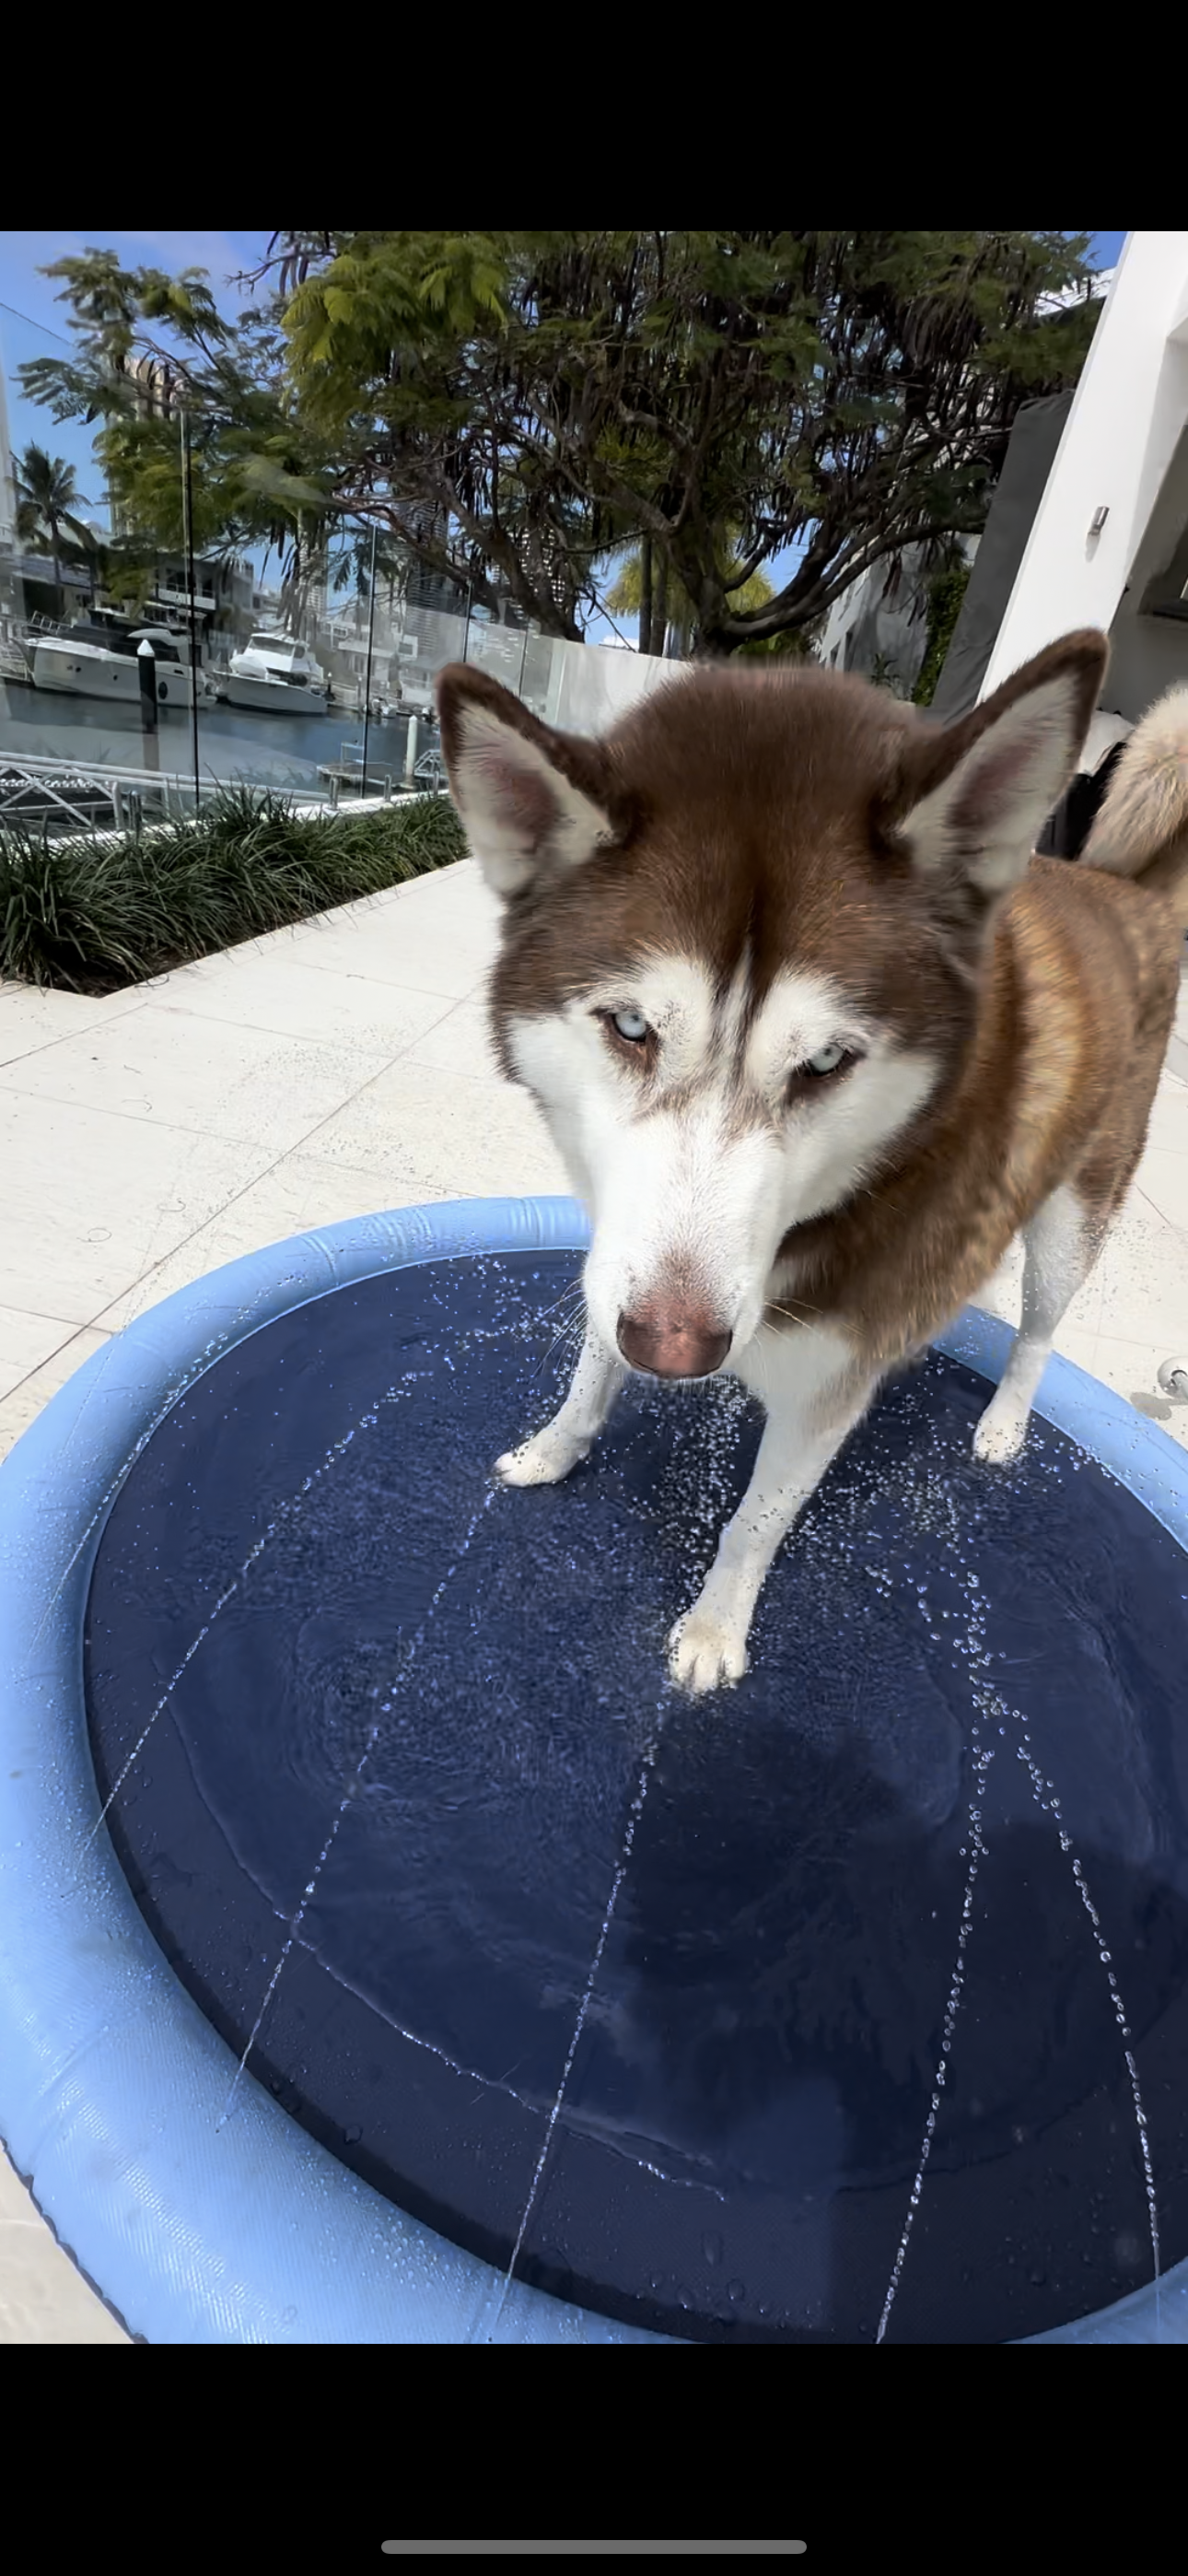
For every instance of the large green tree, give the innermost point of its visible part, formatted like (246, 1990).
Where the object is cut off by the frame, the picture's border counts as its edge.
(839, 395)
(516, 408)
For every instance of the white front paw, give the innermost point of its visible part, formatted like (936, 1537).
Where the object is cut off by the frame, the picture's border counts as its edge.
(543, 1461)
(999, 1436)
(706, 1648)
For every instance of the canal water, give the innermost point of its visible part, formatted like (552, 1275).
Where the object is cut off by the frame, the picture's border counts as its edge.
(285, 751)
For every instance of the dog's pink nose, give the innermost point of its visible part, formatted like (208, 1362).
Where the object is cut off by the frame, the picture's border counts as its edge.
(669, 1341)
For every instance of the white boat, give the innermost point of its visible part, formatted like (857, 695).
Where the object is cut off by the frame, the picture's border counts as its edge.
(277, 675)
(96, 661)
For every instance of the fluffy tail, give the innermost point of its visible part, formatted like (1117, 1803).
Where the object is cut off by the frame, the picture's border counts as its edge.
(1142, 828)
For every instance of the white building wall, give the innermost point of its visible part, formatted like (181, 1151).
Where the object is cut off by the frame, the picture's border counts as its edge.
(843, 616)
(1122, 433)
(1149, 654)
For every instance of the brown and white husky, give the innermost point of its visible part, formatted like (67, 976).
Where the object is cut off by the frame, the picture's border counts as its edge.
(816, 1035)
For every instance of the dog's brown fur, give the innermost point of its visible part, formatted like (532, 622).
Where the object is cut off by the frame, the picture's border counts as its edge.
(1051, 1009)
(802, 840)
(1056, 1086)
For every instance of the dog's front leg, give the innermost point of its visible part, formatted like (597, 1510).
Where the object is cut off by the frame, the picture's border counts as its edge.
(806, 1425)
(597, 1379)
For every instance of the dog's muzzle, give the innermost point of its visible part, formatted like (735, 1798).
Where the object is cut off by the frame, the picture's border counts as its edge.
(670, 1341)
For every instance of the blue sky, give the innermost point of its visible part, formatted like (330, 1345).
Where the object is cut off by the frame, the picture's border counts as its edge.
(31, 321)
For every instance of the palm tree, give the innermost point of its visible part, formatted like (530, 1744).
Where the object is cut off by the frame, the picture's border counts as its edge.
(674, 609)
(47, 497)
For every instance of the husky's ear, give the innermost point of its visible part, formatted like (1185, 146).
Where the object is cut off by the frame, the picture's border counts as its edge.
(534, 803)
(974, 799)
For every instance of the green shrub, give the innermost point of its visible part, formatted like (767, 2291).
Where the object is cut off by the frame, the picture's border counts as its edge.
(946, 591)
(88, 915)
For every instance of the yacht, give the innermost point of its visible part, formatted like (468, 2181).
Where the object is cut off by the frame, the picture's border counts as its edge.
(93, 660)
(277, 675)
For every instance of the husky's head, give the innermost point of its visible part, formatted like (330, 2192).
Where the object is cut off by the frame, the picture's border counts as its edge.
(741, 951)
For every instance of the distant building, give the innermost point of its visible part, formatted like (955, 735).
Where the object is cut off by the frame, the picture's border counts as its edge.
(443, 595)
(448, 598)
(879, 625)
(223, 600)
(36, 571)
(433, 590)
(7, 486)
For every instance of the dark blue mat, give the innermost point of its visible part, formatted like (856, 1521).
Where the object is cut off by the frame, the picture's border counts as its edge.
(941, 1825)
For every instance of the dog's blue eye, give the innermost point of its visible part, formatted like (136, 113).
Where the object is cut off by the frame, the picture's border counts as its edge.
(827, 1059)
(631, 1025)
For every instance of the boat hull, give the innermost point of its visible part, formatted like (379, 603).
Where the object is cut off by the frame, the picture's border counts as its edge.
(273, 697)
(73, 674)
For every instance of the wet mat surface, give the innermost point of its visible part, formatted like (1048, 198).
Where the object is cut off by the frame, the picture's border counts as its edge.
(921, 1879)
